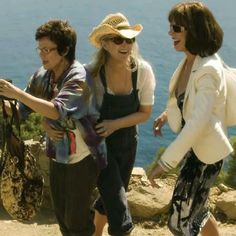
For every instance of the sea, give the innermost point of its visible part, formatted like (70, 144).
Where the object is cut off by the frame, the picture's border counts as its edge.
(19, 58)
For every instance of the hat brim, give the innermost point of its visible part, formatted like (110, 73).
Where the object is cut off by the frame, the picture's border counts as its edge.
(99, 32)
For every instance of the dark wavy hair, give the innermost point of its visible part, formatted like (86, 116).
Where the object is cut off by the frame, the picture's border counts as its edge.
(62, 34)
(204, 35)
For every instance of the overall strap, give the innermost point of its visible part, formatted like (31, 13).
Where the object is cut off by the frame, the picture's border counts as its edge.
(134, 79)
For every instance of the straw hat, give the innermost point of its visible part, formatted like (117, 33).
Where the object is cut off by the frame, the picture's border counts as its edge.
(114, 24)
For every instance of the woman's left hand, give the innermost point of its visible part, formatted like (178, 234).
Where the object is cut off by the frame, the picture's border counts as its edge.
(105, 128)
(155, 173)
(8, 90)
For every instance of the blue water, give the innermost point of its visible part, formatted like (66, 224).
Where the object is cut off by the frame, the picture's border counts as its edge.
(19, 59)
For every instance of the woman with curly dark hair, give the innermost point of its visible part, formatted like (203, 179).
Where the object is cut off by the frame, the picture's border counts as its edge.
(56, 92)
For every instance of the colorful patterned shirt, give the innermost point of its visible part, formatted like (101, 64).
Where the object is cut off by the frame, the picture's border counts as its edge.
(75, 111)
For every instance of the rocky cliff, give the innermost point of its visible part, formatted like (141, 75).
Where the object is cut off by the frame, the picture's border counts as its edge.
(148, 203)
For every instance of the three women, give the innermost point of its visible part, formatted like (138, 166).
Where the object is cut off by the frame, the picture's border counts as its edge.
(124, 87)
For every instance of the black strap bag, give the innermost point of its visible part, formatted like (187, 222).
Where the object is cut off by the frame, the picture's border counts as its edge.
(21, 180)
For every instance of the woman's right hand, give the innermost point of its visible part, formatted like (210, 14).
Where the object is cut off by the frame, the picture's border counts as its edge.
(158, 123)
(52, 133)
(154, 174)
(106, 128)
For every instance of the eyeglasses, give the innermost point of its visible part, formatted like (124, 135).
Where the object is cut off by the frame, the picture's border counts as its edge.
(120, 40)
(177, 28)
(45, 50)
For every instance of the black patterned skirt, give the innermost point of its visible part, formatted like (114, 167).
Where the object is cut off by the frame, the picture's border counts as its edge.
(189, 209)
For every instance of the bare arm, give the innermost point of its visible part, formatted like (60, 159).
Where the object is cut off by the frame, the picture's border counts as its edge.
(41, 106)
(107, 127)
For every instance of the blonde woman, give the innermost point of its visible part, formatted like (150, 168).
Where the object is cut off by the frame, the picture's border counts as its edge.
(124, 86)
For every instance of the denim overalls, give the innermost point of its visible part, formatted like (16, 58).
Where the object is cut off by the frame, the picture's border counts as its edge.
(121, 150)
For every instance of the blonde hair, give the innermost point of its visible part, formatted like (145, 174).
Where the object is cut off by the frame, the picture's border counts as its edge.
(101, 57)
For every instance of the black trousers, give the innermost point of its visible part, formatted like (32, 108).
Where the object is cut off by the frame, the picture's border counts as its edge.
(71, 188)
(113, 182)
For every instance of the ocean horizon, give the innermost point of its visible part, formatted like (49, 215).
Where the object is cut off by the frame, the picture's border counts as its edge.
(19, 60)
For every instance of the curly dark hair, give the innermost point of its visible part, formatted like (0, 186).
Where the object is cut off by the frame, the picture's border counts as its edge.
(204, 35)
(62, 34)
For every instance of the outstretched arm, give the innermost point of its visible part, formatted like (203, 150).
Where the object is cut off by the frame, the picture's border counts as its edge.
(41, 106)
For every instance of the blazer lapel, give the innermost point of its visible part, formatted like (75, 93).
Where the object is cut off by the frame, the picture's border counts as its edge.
(175, 76)
(195, 67)
(193, 70)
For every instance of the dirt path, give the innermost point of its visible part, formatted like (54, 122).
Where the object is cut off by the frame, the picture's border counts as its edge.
(45, 225)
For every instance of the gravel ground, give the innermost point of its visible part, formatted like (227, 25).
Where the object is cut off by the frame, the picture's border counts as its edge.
(45, 224)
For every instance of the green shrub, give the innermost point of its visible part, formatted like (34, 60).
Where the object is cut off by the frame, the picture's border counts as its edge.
(227, 175)
(153, 164)
(230, 166)
(31, 128)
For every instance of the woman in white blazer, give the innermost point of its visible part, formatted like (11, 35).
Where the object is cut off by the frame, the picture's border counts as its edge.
(196, 111)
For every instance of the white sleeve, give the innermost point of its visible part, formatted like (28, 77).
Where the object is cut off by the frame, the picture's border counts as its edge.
(207, 90)
(146, 84)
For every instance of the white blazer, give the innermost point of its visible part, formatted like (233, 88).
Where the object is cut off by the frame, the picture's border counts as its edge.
(204, 114)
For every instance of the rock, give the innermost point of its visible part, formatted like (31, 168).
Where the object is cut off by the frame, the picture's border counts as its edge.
(224, 188)
(213, 196)
(145, 201)
(138, 171)
(226, 202)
